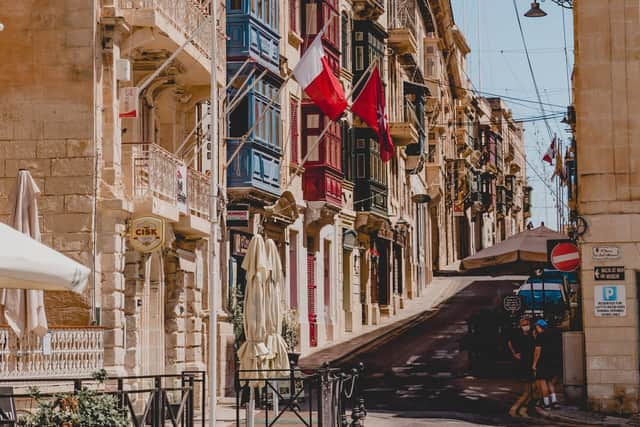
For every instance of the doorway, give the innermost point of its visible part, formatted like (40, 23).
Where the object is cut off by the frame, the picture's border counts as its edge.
(152, 316)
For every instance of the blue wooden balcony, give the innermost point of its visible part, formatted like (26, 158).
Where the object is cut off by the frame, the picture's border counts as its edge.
(252, 30)
(257, 164)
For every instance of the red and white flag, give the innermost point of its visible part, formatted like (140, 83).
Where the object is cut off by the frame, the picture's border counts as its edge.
(369, 106)
(318, 81)
(552, 151)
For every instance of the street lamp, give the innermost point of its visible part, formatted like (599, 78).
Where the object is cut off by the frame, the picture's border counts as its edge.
(535, 11)
(1, 26)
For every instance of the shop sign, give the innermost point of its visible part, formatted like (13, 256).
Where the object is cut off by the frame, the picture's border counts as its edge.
(147, 234)
(181, 181)
(128, 102)
(512, 303)
(608, 273)
(240, 244)
(610, 301)
(605, 252)
(349, 240)
(238, 216)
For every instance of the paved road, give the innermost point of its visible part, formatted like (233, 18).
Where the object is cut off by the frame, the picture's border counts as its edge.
(422, 374)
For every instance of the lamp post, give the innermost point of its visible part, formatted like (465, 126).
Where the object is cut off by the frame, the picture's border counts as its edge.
(213, 218)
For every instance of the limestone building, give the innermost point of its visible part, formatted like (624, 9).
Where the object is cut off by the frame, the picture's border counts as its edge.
(607, 200)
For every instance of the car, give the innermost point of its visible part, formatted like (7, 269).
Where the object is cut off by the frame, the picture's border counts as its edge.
(546, 299)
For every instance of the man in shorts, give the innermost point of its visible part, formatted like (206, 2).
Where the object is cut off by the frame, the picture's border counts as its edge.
(543, 364)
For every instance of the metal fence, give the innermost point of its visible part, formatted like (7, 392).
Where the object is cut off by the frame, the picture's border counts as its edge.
(328, 397)
(148, 400)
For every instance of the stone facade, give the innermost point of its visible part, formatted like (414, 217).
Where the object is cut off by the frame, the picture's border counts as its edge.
(608, 199)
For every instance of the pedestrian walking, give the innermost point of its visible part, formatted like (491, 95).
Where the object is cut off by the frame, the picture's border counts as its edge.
(521, 344)
(543, 363)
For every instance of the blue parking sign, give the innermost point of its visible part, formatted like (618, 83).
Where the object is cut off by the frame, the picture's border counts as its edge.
(609, 293)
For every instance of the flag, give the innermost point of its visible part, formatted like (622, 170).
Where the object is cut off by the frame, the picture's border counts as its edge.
(369, 106)
(551, 152)
(318, 81)
(558, 170)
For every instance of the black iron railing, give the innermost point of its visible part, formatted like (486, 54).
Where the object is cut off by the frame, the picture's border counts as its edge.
(157, 400)
(318, 397)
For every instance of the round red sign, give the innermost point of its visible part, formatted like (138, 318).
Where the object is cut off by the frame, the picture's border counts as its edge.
(565, 257)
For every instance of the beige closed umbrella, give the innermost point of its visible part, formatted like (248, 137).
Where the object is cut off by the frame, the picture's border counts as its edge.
(24, 309)
(278, 358)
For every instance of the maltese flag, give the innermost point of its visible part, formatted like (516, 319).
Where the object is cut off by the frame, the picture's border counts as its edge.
(318, 81)
(551, 152)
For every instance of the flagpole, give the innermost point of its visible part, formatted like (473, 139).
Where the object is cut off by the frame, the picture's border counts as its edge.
(328, 125)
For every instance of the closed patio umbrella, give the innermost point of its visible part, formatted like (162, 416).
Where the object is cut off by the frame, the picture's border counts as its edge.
(24, 309)
(278, 358)
(520, 253)
(253, 352)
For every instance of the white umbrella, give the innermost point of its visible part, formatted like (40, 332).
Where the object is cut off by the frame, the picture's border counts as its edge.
(275, 310)
(278, 358)
(24, 309)
(253, 352)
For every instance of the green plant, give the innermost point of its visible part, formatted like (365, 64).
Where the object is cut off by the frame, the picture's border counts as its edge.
(290, 327)
(237, 315)
(83, 408)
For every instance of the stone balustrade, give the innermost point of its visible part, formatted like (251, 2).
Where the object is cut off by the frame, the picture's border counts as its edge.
(185, 16)
(63, 352)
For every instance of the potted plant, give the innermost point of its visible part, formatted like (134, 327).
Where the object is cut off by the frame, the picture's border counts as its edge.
(290, 327)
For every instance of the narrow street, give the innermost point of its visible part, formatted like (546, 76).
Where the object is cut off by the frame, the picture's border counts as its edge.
(422, 373)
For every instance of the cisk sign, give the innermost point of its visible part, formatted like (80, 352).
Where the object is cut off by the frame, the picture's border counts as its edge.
(146, 234)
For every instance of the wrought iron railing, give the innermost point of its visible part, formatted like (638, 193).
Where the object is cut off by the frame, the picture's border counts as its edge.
(62, 352)
(321, 397)
(185, 16)
(403, 15)
(198, 193)
(147, 400)
(154, 172)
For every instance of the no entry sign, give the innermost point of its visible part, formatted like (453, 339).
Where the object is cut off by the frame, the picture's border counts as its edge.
(565, 257)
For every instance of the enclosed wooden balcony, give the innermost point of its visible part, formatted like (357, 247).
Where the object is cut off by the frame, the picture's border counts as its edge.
(63, 352)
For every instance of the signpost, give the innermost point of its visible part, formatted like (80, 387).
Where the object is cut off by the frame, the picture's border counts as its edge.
(608, 273)
(512, 303)
(609, 301)
(565, 257)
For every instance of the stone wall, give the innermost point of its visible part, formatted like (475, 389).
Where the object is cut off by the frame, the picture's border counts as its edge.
(607, 97)
(46, 126)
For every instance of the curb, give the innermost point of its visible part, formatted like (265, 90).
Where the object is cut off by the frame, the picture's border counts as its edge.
(549, 415)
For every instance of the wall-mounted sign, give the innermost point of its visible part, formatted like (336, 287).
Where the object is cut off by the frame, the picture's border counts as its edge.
(238, 216)
(240, 243)
(458, 209)
(128, 102)
(605, 252)
(349, 240)
(147, 234)
(608, 273)
(610, 301)
(512, 303)
(181, 190)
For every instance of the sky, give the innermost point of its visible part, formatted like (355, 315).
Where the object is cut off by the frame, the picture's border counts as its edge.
(498, 65)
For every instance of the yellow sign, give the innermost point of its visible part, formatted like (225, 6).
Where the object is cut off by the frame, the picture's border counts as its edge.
(147, 234)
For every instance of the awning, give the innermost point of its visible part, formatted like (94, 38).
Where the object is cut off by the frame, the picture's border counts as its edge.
(419, 190)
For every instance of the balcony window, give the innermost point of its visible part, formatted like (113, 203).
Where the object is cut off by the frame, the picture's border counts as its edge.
(368, 44)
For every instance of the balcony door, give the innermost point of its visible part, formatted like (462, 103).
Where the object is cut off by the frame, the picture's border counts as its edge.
(152, 317)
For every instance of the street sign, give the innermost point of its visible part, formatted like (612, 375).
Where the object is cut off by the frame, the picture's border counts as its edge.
(512, 303)
(608, 273)
(609, 301)
(605, 252)
(565, 257)
(238, 216)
